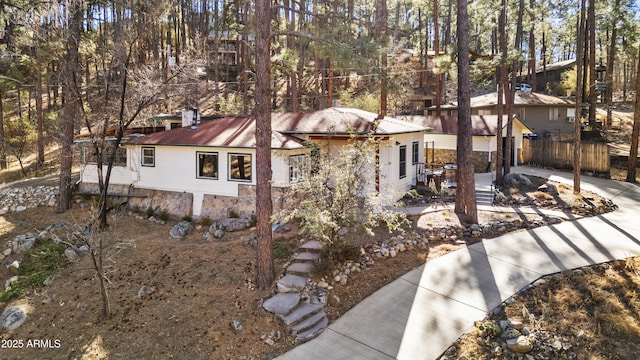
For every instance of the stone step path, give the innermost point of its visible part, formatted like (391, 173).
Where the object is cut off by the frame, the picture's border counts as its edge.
(484, 197)
(304, 317)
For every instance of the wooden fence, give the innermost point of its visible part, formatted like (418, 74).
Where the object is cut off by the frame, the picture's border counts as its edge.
(559, 155)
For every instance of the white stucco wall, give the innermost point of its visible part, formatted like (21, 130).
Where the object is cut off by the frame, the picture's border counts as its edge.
(390, 162)
(120, 175)
(175, 168)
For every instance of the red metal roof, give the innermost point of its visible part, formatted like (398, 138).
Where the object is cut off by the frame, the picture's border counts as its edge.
(240, 131)
(236, 132)
(340, 121)
(448, 124)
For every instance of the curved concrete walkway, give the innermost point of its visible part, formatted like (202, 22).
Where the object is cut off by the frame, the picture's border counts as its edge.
(421, 314)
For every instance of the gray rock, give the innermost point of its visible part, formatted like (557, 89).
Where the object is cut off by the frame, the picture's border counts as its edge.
(521, 344)
(231, 224)
(71, 254)
(510, 333)
(250, 240)
(20, 208)
(10, 281)
(49, 280)
(218, 233)
(236, 326)
(516, 179)
(145, 290)
(22, 243)
(181, 229)
(13, 317)
(15, 265)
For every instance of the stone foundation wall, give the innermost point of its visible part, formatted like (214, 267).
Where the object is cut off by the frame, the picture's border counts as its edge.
(181, 203)
(480, 159)
(217, 207)
(89, 188)
(175, 203)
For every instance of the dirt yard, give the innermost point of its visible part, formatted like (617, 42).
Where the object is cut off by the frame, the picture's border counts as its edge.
(199, 289)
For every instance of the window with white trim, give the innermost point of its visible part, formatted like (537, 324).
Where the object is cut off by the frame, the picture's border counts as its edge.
(403, 162)
(207, 165)
(297, 167)
(148, 156)
(240, 167)
(415, 153)
(553, 114)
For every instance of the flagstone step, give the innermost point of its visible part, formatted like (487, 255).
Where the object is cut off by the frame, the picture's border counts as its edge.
(313, 332)
(311, 246)
(282, 303)
(301, 312)
(300, 268)
(307, 323)
(306, 257)
(291, 283)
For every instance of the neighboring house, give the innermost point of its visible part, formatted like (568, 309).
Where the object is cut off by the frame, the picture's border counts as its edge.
(545, 115)
(209, 169)
(225, 51)
(442, 133)
(549, 77)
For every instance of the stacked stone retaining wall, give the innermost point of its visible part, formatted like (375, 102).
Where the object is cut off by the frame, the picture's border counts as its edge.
(13, 199)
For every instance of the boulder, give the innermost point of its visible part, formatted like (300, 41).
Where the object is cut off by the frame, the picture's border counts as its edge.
(22, 243)
(71, 254)
(13, 317)
(230, 224)
(521, 344)
(516, 179)
(181, 229)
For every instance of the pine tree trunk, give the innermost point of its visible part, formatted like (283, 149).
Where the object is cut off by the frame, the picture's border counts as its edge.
(592, 64)
(382, 41)
(265, 274)
(39, 115)
(436, 48)
(635, 133)
(500, 76)
(610, 65)
(577, 153)
(72, 104)
(465, 205)
(531, 68)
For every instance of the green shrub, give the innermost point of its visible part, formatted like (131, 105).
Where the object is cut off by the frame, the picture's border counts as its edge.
(187, 218)
(150, 211)
(206, 221)
(41, 262)
(282, 249)
(164, 215)
(136, 209)
(233, 214)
